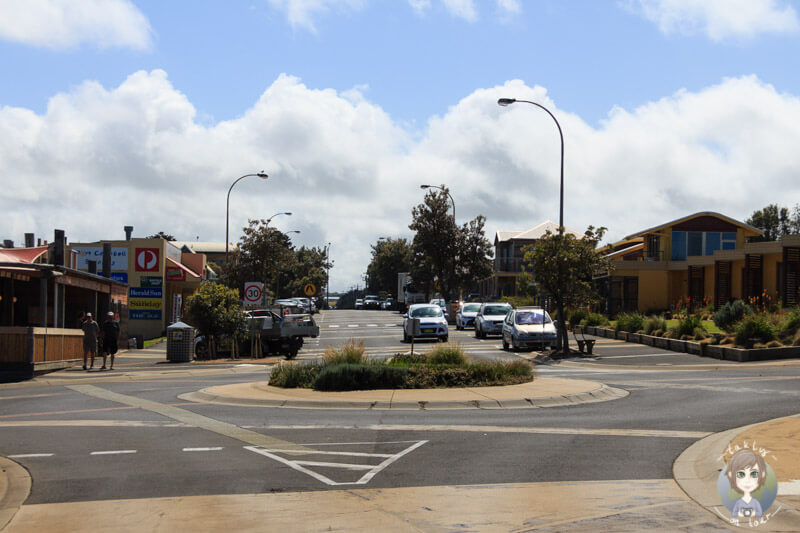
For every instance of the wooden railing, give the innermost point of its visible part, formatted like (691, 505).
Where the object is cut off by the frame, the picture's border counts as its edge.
(40, 345)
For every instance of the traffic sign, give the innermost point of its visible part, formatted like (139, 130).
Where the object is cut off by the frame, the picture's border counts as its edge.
(253, 291)
(310, 289)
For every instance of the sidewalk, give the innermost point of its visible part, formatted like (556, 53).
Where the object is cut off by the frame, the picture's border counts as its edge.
(541, 392)
(699, 466)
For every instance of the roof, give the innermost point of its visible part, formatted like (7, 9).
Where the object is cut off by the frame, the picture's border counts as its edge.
(184, 268)
(624, 251)
(750, 231)
(203, 247)
(536, 232)
(22, 255)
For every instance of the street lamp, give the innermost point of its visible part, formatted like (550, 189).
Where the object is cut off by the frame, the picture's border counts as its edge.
(508, 101)
(448, 194)
(276, 214)
(263, 176)
(327, 276)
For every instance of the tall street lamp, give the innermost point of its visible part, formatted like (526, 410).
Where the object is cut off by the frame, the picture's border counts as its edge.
(263, 176)
(287, 213)
(327, 276)
(448, 194)
(508, 101)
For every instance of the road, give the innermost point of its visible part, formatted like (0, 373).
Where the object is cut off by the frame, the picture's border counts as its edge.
(90, 437)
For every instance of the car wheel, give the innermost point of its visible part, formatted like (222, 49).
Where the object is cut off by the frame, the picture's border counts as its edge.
(443, 339)
(477, 333)
(405, 337)
(514, 346)
(201, 350)
(505, 344)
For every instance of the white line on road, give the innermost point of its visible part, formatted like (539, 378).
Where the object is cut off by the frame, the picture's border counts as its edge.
(207, 449)
(637, 355)
(112, 452)
(346, 466)
(27, 455)
(372, 325)
(351, 454)
(334, 326)
(352, 325)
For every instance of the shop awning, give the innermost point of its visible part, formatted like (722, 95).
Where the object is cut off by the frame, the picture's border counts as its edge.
(178, 272)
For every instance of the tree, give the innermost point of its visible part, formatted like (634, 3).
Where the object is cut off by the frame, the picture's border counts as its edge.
(214, 310)
(309, 267)
(562, 266)
(389, 257)
(165, 236)
(774, 221)
(444, 256)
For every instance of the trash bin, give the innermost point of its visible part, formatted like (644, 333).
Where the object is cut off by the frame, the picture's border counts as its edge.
(180, 342)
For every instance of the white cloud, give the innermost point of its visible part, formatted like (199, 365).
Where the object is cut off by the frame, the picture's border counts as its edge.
(61, 24)
(720, 19)
(510, 6)
(101, 158)
(464, 9)
(301, 13)
(420, 6)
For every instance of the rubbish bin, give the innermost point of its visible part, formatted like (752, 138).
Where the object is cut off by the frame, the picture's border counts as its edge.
(180, 342)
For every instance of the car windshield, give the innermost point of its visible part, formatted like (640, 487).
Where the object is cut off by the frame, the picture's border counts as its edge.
(422, 312)
(471, 308)
(496, 309)
(532, 317)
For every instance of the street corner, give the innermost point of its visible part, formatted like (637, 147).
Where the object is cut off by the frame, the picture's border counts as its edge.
(747, 476)
(15, 486)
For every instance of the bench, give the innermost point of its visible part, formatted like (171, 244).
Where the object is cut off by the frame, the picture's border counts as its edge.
(583, 342)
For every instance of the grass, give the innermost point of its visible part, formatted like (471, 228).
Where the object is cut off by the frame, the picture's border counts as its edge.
(150, 342)
(673, 323)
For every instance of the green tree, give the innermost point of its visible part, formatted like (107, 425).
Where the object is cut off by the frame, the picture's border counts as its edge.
(562, 266)
(389, 256)
(165, 236)
(214, 310)
(774, 221)
(444, 256)
(309, 267)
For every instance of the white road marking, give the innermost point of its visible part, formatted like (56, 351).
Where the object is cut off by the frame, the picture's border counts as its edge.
(91, 423)
(351, 454)
(372, 325)
(637, 355)
(27, 455)
(352, 325)
(334, 326)
(112, 452)
(346, 466)
(208, 449)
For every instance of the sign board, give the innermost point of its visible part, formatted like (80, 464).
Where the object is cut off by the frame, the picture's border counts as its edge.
(176, 274)
(146, 292)
(122, 277)
(177, 303)
(144, 314)
(253, 292)
(119, 257)
(148, 260)
(151, 281)
(310, 289)
(144, 303)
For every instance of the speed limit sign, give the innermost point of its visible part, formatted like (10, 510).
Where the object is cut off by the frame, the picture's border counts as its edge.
(253, 290)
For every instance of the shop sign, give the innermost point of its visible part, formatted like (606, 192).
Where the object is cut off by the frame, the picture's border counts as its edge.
(175, 274)
(146, 292)
(119, 257)
(144, 314)
(148, 260)
(144, 303)
(122, 277)
(151, 281)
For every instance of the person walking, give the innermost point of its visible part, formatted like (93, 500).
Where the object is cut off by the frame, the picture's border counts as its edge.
(110, 339)
(90, 333)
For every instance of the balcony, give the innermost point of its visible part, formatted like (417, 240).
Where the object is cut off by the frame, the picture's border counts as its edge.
(508, 265)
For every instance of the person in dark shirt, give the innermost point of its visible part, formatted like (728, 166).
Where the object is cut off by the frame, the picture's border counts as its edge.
(90, 332)
(110, 338)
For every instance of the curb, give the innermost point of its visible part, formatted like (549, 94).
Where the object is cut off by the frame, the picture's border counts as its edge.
(792, 363)
(15, 486)
(696, 471)
(601, 394)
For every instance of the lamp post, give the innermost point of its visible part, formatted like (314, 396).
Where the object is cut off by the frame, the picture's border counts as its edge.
(327, 276)
(287, 213)
(448, 194)
(508, 101)
(261, 175)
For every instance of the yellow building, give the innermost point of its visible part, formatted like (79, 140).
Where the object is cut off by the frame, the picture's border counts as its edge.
(704, 257)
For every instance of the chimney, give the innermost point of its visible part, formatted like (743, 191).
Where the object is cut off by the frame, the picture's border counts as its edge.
(58, 249)
(106, 259)
(8, 243)
(29, 240)
(92, 267)
(39, 241)
(128, 231)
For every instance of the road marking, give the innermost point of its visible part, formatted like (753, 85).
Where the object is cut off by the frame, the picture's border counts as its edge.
(112, 452)
(208, 449)
(90, 423)
(372, 325)
(637, 355)
(301, 465)
(334, 326)
(351, 454)
(611, 432)
(28, 455)
(352, 325)
(28, 396)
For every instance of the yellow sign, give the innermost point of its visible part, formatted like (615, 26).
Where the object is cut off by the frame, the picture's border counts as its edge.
(144, 303)
(310, 289)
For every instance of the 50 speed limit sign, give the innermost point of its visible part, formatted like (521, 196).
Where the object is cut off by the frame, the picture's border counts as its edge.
(253, 290)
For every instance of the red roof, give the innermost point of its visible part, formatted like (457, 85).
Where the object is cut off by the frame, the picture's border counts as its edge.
(21, 255)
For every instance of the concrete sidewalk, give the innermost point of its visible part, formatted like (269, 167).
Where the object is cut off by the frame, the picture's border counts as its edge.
(541, 392)
(696, 470)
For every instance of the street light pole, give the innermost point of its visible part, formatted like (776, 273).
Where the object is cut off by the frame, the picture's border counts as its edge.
(287, 213)
(448, 194)
(327, 276)
(261, 175)
(508, 101)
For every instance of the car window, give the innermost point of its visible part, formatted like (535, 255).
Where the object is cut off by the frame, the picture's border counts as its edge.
(496, 309)
(471, 308)
(532, 317)
(424, 312)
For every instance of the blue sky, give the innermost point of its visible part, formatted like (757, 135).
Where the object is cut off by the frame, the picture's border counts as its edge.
(350, 104)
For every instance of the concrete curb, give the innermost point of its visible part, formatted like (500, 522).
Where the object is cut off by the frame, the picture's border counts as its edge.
(601, 394)
(696, 471)
(760, 364)
(15, 486)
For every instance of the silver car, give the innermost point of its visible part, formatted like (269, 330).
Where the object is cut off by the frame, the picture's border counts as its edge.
(432, 323)
(465, 316)
(528, 327)
(489, 320)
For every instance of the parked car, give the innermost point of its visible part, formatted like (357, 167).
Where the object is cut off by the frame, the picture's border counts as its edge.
(465, 316)
(309, 303)
(359, 303)
(372, 302)
(528, 327)
(489, 320)
(291, 305)
(387, 303)
(432, 323)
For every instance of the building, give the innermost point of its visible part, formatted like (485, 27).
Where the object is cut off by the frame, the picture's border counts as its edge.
(703, 257)
(509, 256)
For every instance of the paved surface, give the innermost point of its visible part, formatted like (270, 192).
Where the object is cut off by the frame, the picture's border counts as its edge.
(125, 450)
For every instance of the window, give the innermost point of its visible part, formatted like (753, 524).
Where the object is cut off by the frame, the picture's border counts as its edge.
(694, 243)
(712, 243)
(679, 246)
(729, 241)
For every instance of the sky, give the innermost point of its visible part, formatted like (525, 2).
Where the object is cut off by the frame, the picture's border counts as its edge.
(144, 112)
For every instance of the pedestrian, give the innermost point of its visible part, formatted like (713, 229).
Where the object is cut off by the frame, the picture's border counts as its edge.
(90, 333)
(110, 338)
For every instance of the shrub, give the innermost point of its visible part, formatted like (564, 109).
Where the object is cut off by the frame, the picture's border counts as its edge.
(791, 323)
(447, 354)
(754, 327)
(344, 377)
(630, 322)
(659, 332)
(594, 319)
(654, 323)
(348, 353)
(699, 334)
(405, 359)
(688, 325)
(294, 375)
(487, 373)
(729, 314)
(577, 316)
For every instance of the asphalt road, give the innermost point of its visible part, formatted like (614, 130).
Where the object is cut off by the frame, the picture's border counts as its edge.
(96, 436)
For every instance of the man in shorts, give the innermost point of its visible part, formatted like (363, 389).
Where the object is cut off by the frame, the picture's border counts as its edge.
(90, 332)
(110, 338)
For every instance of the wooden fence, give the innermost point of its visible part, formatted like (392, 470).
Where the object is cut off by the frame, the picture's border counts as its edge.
(40, 346)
